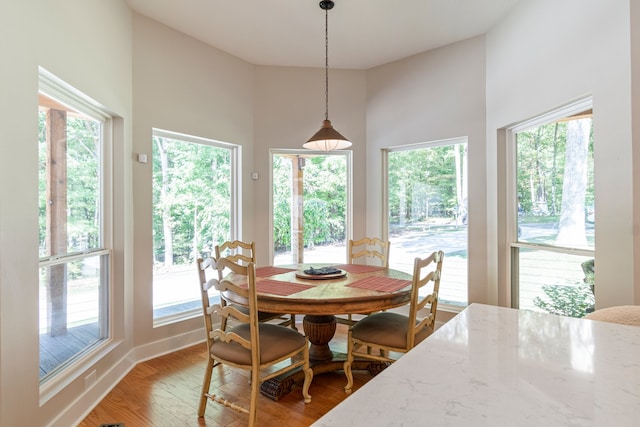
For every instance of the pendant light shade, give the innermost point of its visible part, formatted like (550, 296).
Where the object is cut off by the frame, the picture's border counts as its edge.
(327, 138)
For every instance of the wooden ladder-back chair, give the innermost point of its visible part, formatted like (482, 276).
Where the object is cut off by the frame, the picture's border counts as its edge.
(369, 247)
(252, 346)
(244, 253)
(363, 249)
(393, 332)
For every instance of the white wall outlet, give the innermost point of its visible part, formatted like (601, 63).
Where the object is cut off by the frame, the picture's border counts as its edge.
(254, 176)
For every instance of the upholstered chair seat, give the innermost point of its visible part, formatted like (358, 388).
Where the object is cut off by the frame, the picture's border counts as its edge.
(380, 336)
(275, 342)
(263, 350)
(387, 329)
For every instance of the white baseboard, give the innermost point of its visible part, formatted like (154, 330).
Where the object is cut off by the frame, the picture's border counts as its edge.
(169, 345)
(88, 400)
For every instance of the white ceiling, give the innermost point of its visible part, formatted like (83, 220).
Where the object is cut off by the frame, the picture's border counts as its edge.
(362, 33)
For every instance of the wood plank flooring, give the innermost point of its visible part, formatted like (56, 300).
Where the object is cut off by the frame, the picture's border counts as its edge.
(165, 392)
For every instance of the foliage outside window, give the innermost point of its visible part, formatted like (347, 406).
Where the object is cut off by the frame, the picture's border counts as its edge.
(192, 212)
(427, 209)
(309, 207)
(555, 215)
(74, 262)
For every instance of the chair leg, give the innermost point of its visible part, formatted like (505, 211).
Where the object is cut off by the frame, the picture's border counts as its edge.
(253, 408)
(347, 365)
(206, 383)
(293, 322)
(308, 375)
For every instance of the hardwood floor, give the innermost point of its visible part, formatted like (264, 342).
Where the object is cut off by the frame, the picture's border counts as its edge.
(165, 392)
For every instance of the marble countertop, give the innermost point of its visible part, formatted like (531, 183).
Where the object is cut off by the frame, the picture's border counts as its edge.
(496, 366)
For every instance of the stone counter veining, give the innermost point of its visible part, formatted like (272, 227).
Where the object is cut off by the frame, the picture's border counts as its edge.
(496, 366)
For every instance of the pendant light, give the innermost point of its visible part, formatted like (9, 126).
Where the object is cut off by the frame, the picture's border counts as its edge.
(327, 138)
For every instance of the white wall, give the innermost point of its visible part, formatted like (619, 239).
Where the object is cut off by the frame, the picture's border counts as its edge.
(185, 86)
(289, 109)
(544, 55)
(88, 45)
(635, 105)
(153, 77)
(429, 97)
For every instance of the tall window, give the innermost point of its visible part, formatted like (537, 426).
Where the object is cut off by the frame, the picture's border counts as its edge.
(310, 206)
(427, 210)
(552, 206)
(194, 197)
(74, 250)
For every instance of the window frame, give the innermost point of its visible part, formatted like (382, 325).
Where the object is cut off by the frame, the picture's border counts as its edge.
(511, 201)
(55, 88)
(348, 154)
(235, 206)
(385, 198)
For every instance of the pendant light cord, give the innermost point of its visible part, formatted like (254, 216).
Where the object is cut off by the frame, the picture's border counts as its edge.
(326, 64)
(327, 138)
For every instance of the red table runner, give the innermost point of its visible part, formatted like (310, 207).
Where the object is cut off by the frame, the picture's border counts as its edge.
(383, 284)
(278, 287)
(271, 271)
(359, 268)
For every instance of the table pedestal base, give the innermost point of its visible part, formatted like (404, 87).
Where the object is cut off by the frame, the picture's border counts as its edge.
(279, 387)
(320, 330)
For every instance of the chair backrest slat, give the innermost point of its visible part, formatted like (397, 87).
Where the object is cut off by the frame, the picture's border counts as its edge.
(369, 247)
(209, 284)
(237, 251)
(425, 271)
(240, 281)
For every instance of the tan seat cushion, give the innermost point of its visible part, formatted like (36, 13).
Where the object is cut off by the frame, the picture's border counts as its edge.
(387, 329)
(623, 314)
(275, 342)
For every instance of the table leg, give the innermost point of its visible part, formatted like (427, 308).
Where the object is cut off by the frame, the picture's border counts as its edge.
(320, 330)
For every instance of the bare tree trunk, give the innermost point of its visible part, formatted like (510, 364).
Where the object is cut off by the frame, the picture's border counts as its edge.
(164, 195)
(459, 206)
(297, 210)
(540, 205)
(460, 156)
(57, 220)
(571, 230)
(196, 232)
(554, 202)
(465, 182)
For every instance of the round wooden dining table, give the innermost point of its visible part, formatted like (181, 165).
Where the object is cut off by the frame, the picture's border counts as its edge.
(355, 289)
